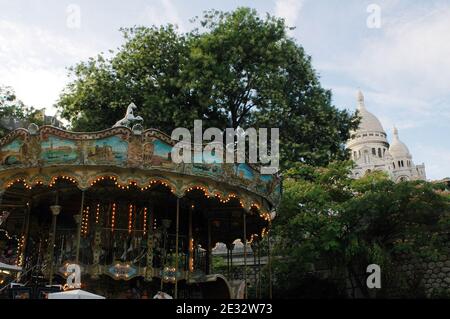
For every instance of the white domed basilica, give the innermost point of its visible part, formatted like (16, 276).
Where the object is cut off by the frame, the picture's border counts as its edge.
(371, 151)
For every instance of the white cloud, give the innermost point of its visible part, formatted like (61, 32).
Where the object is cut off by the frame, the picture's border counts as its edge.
(385, 101)
(38, 87)
(289, 10)
(411, 57)
(404, 70)
(438, 168)
(162, 13)
(33, 62)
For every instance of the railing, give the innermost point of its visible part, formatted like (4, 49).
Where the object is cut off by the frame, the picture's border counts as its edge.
(18, 279)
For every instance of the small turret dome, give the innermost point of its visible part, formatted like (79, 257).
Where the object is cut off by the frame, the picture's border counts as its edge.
(398, 149)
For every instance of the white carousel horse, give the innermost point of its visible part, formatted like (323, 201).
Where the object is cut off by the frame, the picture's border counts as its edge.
(129, 118)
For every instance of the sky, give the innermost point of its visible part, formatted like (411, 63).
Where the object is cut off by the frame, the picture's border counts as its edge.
(396, 51)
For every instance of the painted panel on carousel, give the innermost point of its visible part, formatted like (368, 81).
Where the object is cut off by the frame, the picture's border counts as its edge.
(207, 169)
(107, 150)
(57, 150)
(266, 184)
(244, 171)
(266, 178)
(212, 164)
(158, 153)
(12, 153)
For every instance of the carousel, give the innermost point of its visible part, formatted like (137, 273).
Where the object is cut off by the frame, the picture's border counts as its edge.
(115, 204)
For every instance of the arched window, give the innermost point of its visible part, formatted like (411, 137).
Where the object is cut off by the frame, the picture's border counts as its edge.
(379, 153)
(366, 157)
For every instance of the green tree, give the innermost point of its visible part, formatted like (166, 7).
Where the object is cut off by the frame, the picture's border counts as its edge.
(327, 220)
(13, 112)
(239, 70)
(147, 70)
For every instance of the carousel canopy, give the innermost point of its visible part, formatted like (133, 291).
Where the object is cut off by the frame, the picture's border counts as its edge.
(40, 156)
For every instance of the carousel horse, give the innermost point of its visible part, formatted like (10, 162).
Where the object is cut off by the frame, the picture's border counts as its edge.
(129, 118)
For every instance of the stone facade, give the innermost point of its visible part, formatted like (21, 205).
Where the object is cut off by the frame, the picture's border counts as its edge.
(433, 276)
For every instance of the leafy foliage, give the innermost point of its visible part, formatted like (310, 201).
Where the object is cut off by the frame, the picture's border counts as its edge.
(326, 217)
(13, 110)
(239, 70)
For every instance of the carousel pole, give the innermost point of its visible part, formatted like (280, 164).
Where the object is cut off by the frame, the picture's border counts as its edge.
(176, 246)
(78, 222)
(254, 248)
(191, 245)
(228, 253)
(228, 263)
(231, 260)
(24, 238)
(150, 234)
(208, 259)
(27, 230)
(269, 260)
(245, 252)
(56, 209)
(163, 257)
(259, 270)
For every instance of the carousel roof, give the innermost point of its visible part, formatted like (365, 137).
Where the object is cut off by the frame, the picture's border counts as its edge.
(39, 156)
